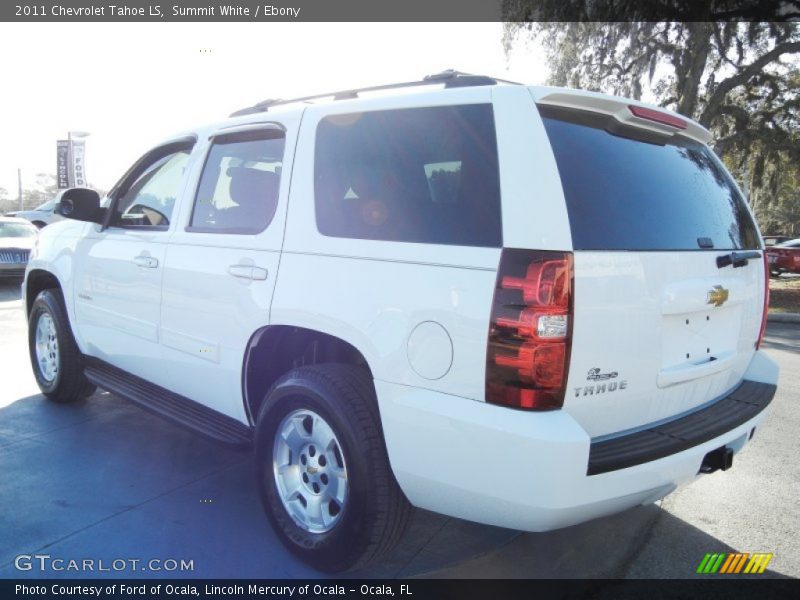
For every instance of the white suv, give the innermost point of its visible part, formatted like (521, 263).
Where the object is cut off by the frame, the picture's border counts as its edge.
(522, 306)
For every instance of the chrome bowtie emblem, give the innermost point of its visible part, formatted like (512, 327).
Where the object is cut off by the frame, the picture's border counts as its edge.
(312, 470)
(717, 296)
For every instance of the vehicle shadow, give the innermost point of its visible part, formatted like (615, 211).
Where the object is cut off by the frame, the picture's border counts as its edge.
(103, 479)
(615, 547)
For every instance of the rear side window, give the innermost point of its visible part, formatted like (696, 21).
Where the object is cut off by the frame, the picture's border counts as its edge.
(624, 193)
(424, 175)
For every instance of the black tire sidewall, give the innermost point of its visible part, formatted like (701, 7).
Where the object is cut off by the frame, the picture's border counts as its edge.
(45, 304)
(70, 383)
(339, 548)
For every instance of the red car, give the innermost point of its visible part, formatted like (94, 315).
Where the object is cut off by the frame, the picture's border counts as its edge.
(784, 257)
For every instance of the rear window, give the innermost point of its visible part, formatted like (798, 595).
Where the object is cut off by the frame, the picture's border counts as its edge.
(624, 193)
(425, 175)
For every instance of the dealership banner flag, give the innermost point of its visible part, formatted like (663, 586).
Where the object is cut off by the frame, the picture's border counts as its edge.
(78, 166)
(62, 164)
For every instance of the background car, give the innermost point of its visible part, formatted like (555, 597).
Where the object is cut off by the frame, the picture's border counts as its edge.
(17, 237)
(40, 216)
(774, 240)
(784, 257)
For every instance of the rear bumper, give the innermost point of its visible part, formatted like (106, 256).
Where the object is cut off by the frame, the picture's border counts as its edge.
(671, 437)
(524, 470)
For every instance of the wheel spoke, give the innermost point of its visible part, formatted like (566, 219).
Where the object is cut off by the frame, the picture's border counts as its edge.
(290, 476)
(314, 509)
(294, 435)
(322, 434)
(327, 517)
(338, 484)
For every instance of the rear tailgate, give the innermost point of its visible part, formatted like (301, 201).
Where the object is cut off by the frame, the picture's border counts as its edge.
(659, 328)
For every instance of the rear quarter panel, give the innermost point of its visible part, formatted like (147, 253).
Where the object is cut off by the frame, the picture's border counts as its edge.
(377, 294)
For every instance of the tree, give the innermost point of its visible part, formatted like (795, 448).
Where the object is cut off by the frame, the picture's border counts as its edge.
(741, 80)
(45, 188)
(6, 203)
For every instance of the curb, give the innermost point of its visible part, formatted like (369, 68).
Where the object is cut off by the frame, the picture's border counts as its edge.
(776, 317)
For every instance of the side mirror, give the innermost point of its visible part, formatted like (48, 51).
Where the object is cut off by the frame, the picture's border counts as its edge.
(81, 204)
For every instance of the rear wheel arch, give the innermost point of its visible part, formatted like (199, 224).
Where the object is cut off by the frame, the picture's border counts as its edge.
(277, 349)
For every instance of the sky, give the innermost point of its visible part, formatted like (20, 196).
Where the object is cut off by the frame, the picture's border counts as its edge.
(131, 85)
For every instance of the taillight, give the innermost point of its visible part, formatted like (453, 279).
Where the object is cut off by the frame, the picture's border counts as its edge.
(530, 330)
(766, 303)
(657, 116)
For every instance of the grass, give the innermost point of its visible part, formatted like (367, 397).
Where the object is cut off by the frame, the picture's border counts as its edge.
(784, 294)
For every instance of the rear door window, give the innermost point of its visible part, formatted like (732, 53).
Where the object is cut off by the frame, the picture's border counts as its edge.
(627, 193)
(426, 175)
(238, 190)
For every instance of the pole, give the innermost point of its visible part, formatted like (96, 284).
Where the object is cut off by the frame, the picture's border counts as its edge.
(70, 172)
(19, 183)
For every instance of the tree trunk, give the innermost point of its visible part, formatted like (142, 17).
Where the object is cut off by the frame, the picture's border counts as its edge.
(693, 64)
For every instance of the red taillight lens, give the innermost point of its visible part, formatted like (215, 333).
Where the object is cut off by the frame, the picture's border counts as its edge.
(546, 284)
(657, 116)
(766, 304)
(530, 331)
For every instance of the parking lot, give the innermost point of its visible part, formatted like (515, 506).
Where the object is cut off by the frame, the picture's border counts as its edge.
(102, 479)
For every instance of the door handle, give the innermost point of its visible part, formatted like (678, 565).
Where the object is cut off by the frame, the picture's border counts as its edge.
(148, 262)
(248, 272)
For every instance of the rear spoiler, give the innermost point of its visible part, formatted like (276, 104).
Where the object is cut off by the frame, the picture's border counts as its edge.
(657, 120)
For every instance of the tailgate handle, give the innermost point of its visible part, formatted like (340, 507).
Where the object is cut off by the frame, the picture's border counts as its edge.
(737, 259)
(687, 372)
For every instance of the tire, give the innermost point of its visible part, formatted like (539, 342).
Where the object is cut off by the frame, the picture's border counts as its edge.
(60, 375)
(372, 510)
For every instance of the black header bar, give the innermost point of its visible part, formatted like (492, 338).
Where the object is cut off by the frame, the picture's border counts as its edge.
(397, 10)
(729, 588)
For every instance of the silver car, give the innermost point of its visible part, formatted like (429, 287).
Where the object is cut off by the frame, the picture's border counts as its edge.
(40, 216)
(17, 237)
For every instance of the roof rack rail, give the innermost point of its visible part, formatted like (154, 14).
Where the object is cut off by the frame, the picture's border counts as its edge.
(450, 79)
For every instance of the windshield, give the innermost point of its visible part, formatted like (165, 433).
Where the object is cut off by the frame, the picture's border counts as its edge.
(46, 206)
(16, 230)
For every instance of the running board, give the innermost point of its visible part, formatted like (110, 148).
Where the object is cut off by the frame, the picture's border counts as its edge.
(164, 403)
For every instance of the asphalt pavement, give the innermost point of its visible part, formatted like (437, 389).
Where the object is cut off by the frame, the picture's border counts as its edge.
(102, 479)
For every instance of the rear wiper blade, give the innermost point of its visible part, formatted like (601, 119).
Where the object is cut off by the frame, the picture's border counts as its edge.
(737, 259)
